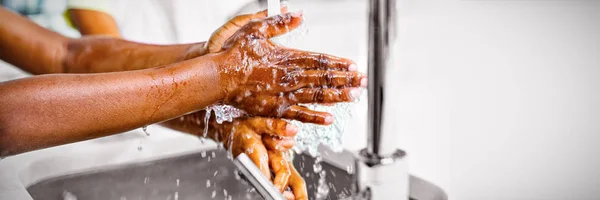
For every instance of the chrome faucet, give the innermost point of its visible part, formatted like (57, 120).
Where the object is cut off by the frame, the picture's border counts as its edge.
(382, 173)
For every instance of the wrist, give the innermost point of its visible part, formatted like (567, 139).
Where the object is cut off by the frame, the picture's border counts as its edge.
(196, 50)
(204, 72)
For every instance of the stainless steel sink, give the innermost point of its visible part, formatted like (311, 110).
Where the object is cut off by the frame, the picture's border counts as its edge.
(196, 176)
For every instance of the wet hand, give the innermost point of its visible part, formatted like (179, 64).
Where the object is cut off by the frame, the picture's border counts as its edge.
(265, 79)
(267, 142)
(218, 38)
(264, 140)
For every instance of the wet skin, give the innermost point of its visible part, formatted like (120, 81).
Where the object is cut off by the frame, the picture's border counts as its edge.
(72, 105)
(252, 132)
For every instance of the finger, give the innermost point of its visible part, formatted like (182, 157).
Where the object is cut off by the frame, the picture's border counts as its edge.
(297, 183)
(253, 147)
(288, 195)
(329, 78)
(280, 166)
(313, 60)
(224, 32)
(272, 126)
(275, 25)
(278, 143)
(326, 95)
(306, 115)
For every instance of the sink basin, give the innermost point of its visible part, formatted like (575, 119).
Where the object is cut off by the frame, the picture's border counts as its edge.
(204, 175)
(199, 176)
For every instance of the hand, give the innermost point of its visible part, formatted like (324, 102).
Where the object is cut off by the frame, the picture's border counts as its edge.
(218, 38)
(264, 140)
(268, 80)
(267, 142)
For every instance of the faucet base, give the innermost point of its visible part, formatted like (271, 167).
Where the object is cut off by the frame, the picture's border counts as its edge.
(383, 177)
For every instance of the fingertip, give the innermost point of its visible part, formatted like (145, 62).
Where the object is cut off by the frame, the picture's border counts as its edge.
(354, 93)
(328, 119)
(284, 7)
(364, 82)
(352, 67)
(291, 129)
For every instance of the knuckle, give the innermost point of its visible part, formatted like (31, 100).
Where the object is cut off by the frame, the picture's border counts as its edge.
(321, 61)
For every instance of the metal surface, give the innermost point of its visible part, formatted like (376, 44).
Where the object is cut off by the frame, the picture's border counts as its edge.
(382, 172)
(383, 177)
(200, 176)
(256, 178)
(158, 180)
(382, 19)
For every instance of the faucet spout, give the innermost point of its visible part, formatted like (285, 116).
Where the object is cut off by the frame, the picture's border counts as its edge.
(382, 20)
(382, 172)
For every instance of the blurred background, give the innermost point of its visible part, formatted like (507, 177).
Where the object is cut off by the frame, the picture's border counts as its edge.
(491, 99)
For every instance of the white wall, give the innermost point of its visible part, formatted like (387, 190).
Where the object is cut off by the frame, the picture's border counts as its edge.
(497, 99)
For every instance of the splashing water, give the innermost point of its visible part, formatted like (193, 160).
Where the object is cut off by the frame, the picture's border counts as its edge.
(225, 113)
(322, 187)
(206, 120)
(310, 136)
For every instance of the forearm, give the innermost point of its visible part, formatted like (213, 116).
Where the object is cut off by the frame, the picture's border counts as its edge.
(96, 54)
(40, 51)
(30, 47)
(51, 110)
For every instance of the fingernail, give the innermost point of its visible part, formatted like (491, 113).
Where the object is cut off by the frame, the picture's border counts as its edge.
(352, 67)
(291, 128)
(284, 4)
(297, 14)
(329, 119)
(364, 82)
(355, 93)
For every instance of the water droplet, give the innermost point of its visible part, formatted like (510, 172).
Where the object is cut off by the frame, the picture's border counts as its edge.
(207, 183)
(214, 194)
(146, 180)
(350, 169)
(317, 167)
(206, 120)
(176, 196)
(145, 129)
(177, 182)
(203, 154)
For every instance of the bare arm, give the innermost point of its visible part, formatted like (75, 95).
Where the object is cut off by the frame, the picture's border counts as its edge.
(50, 110)
(91, 22)
(41, 51)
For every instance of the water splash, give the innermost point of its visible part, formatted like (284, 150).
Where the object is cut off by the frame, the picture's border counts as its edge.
(206, 120)
(322, 186)
(225, 113)
(310, 136)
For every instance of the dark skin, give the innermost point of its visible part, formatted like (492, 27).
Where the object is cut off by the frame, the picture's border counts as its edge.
(258, 137)
(50, 110)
